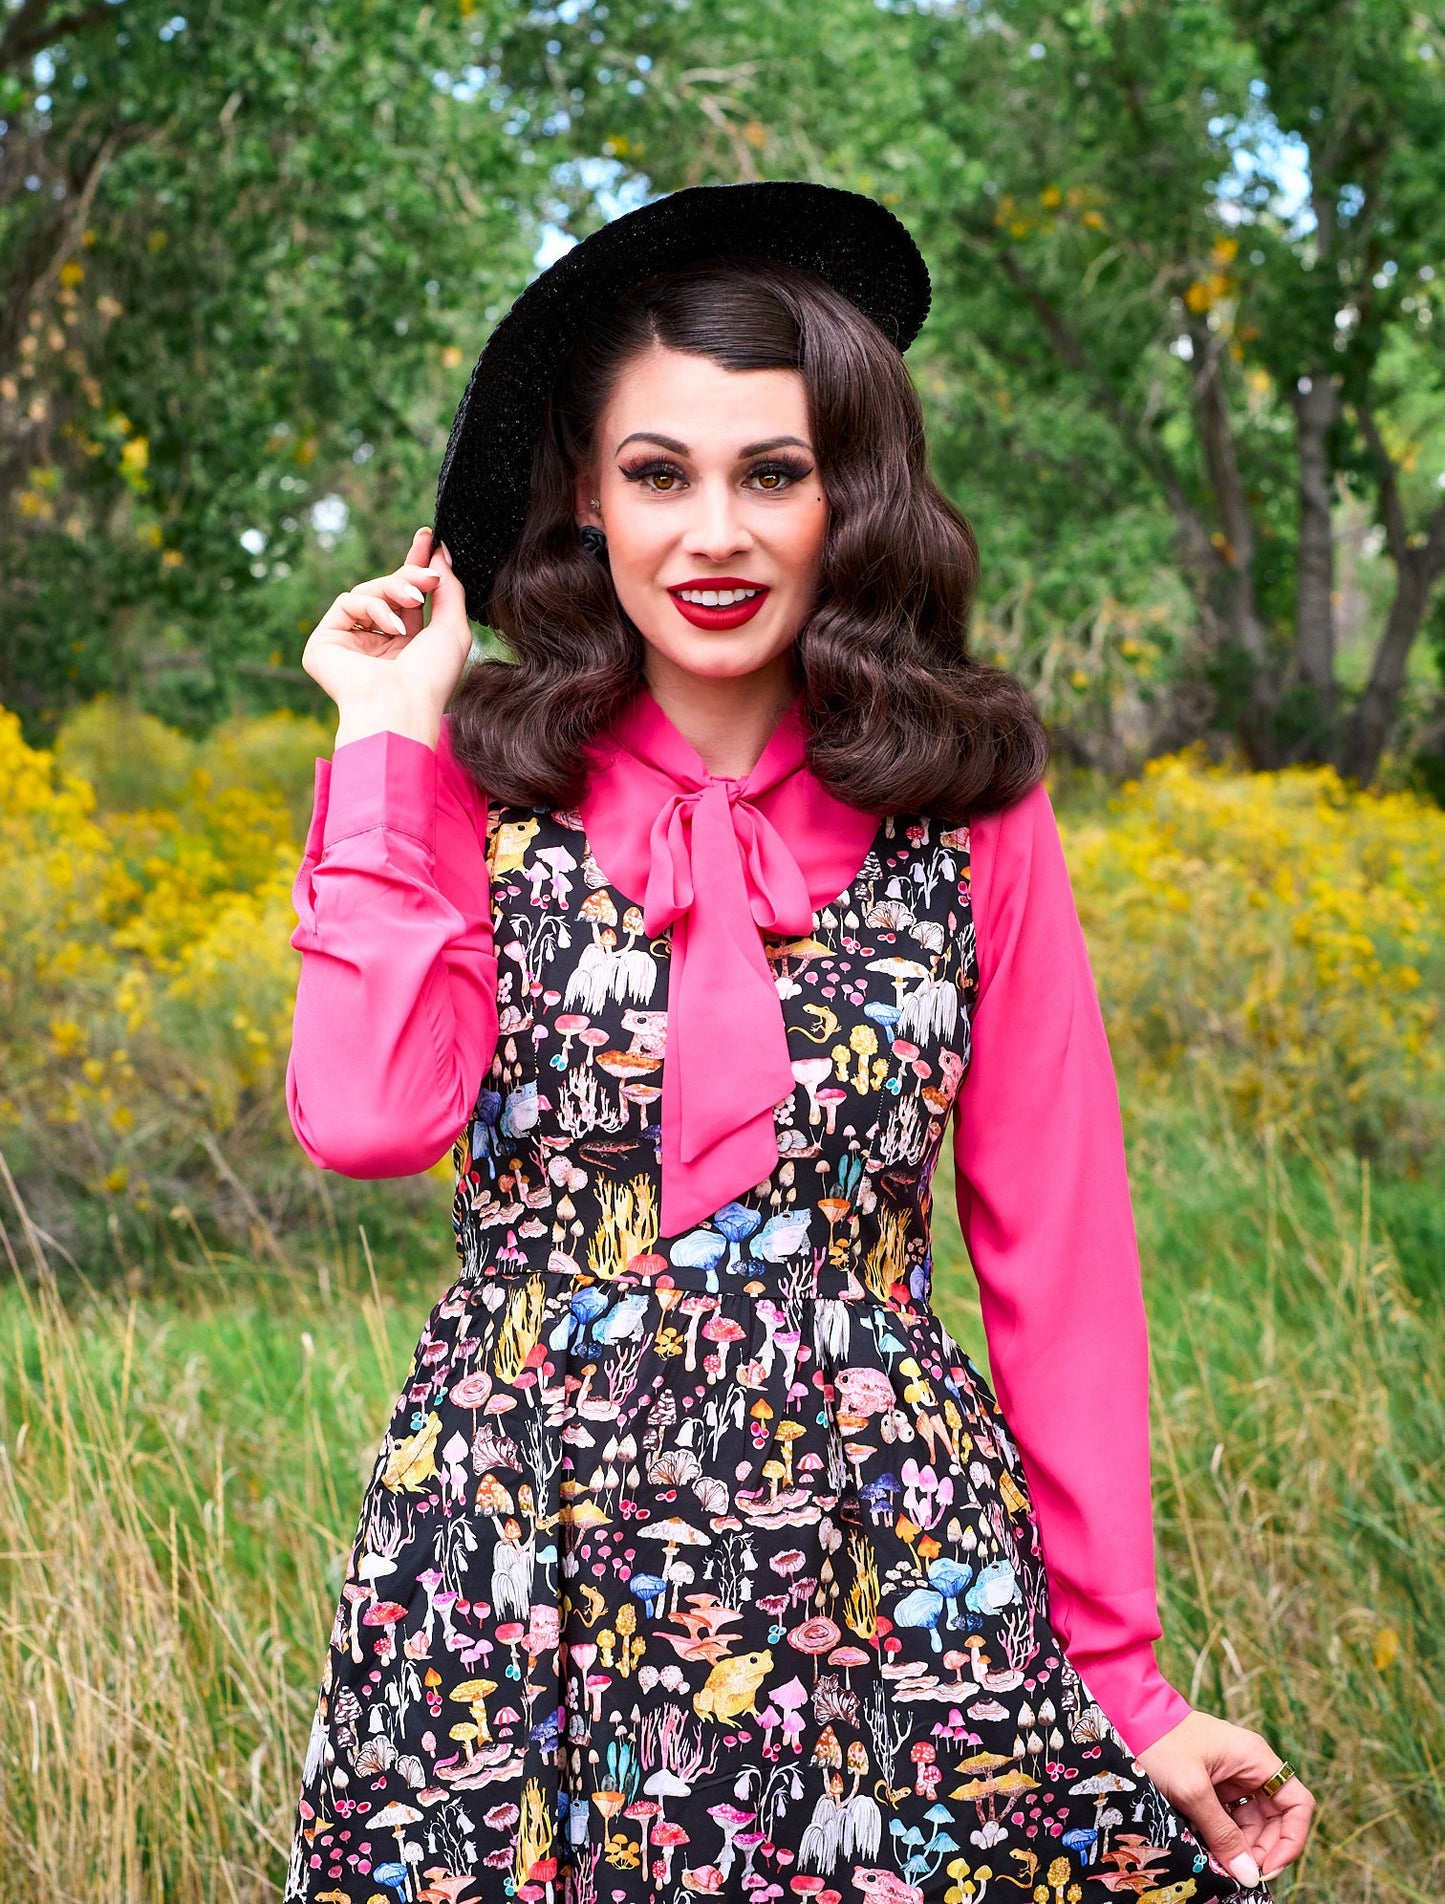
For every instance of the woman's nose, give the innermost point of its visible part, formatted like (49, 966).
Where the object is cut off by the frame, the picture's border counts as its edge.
(716, 530)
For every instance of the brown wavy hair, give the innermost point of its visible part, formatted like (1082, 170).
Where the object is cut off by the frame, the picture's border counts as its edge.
(901, 718)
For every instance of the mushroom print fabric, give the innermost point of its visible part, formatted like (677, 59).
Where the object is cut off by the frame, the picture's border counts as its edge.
(704, 1565)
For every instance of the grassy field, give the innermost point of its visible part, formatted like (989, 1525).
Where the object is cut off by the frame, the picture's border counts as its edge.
(201, 1336)
(180, 1475)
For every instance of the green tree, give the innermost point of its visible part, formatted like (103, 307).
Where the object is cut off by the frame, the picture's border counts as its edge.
(246, 261)
(1141, 323)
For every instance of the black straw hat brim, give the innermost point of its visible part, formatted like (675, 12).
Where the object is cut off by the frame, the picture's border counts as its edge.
(851, 241)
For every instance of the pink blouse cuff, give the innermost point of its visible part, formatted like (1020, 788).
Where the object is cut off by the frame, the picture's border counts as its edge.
(383, 779)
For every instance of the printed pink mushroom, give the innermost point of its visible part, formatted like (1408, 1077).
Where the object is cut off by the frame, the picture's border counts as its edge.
(357, 1595)
(810, 1073)
(386, 1614)
(848, 1657)
(669, 1836)
(815, 1636)
(569, 1024)
(724, 1331)
(641, 1095)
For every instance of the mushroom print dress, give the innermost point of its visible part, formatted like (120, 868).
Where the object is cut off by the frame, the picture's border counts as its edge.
(703, 1565)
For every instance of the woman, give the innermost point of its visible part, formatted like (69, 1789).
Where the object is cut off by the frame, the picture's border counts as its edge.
(698, 1559)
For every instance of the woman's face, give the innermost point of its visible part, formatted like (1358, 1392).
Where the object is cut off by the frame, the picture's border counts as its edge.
(708, 492)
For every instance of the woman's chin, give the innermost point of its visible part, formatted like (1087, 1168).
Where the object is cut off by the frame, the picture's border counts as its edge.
(720, 655)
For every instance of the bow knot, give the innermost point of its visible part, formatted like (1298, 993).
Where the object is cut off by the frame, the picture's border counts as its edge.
(705, 857)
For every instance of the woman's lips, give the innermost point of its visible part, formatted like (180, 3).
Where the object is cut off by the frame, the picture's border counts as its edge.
(731, 616)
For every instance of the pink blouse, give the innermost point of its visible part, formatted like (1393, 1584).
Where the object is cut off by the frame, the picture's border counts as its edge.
(395, 1026)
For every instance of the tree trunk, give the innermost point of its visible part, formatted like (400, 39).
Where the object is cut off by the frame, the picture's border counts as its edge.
(1241, 610)
(1315, 411)
(1373, 715)
(1418, 561)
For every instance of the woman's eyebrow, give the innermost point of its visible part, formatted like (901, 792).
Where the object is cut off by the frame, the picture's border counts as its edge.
(775, 443)
(650, 436)
(681, 449)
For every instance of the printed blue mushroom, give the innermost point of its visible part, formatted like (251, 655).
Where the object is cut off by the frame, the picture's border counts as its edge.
(878, 1496)
(699, 1249)
(651, 1589)
(922, 1607)
(483, 1140)
(881, 1014)
(737, 1222)
(586, 1304)
(393, 1875)
(950, 1577)
(1081, 1838)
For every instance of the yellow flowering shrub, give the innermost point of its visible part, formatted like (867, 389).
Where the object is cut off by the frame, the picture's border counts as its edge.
(1281, 929)
(147, 980)
(1279, 933)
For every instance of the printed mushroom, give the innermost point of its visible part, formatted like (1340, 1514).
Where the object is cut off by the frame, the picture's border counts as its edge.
(730, 1821)
(815, 1636)
(673, 1533)
(724, 1331)
(395, 1817)
(950, 1577)
(662, 1785)
(472, 1693)
(668, 1836)
(922, 1607)
(736, 1222)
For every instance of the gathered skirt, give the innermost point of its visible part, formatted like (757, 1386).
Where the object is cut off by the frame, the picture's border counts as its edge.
(666, 1592)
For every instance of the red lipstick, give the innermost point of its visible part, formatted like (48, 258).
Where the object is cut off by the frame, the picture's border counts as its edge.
(733, 615)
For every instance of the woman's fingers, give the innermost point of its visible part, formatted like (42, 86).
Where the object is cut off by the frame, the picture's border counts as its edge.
(449, 603)
(1291, 1809)
(368, 603)
(1223, 1838)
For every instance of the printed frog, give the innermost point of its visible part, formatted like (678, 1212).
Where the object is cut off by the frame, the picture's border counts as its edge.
(732, 1686)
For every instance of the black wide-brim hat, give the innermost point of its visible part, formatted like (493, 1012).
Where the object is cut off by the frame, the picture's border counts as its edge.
(851, 241)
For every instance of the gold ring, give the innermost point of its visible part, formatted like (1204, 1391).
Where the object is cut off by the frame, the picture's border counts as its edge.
(1276, 1779)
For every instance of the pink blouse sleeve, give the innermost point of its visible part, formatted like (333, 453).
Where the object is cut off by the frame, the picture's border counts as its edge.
(1043, 1200)
(396, 1002)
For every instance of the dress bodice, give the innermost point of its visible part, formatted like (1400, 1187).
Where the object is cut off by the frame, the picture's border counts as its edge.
(559, 1164)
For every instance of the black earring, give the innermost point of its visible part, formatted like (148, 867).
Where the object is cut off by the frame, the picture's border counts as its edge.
(593, 540)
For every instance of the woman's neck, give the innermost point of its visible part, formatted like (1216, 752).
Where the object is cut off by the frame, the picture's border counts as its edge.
(728, 720)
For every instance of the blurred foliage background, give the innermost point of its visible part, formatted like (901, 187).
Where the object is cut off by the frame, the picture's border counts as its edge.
(1183, 369)
(1184, 374)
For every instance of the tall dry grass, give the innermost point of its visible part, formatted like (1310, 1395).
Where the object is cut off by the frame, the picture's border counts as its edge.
(179, 1482)
(175, 1487)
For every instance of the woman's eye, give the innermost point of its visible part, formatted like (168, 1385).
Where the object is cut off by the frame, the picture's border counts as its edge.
(656, 476)
(775, 476)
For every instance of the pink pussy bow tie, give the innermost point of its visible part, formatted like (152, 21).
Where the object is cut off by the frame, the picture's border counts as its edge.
(715, 865)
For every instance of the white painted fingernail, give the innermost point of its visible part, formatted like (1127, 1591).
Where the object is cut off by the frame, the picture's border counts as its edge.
(1246, 1870)
(413, 594)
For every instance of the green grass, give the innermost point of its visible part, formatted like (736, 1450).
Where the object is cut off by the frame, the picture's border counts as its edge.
(180, 1473)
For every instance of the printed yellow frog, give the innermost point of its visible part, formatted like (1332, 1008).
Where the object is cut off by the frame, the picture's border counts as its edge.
(732, 1686)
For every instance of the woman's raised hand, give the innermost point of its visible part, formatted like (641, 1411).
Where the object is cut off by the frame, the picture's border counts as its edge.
(382, 664)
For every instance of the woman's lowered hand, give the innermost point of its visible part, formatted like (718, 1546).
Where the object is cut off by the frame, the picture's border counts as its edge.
(1211, 1771)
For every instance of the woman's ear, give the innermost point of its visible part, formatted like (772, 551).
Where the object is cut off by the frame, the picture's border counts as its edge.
(582, 499)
